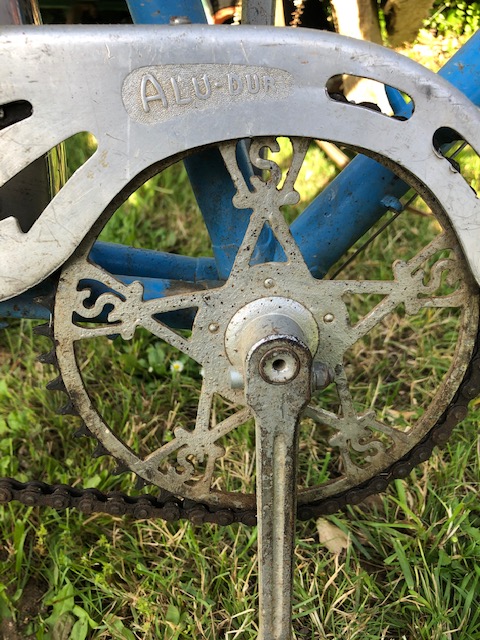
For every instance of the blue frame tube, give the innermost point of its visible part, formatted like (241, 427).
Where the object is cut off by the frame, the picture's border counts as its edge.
(161, 11)
(24, 306)
(344, 211)
(334, 221)
(146, 263)
(214, 191)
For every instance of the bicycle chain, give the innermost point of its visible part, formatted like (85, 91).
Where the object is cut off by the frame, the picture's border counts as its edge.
(168, 507)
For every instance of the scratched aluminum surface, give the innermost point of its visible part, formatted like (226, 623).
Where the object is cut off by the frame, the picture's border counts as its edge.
(148, 93)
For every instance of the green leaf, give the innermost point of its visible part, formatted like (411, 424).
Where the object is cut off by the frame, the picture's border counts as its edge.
(92, 482)
(4, 391)
(5, 611)
(173, 615)
(61, 628)
(79, 629)
(19, 535)
(62, 602)
(3, 426)
(444, 559)
(82, 614)
(404, 564)
(130, 362)
(121, 629)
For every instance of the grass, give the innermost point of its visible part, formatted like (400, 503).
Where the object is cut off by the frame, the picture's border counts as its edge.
(409, 561)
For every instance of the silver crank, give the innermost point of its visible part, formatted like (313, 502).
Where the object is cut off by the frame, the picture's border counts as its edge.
(277, 389)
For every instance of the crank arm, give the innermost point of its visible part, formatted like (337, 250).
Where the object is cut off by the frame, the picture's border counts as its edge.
(278, 387)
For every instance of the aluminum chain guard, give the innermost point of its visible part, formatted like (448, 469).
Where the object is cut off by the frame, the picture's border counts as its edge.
(149, 93)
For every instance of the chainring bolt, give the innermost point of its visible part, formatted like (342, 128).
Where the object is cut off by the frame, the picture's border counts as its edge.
(213, 327)
(269, 283)
(328, 317)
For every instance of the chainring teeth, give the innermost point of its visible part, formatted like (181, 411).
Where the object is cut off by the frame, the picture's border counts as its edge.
(57, 385)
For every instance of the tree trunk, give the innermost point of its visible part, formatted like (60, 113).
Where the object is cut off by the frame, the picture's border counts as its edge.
(358, 19)
(404, 19)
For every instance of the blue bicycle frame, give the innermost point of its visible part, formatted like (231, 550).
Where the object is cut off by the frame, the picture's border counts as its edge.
(327, 228)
